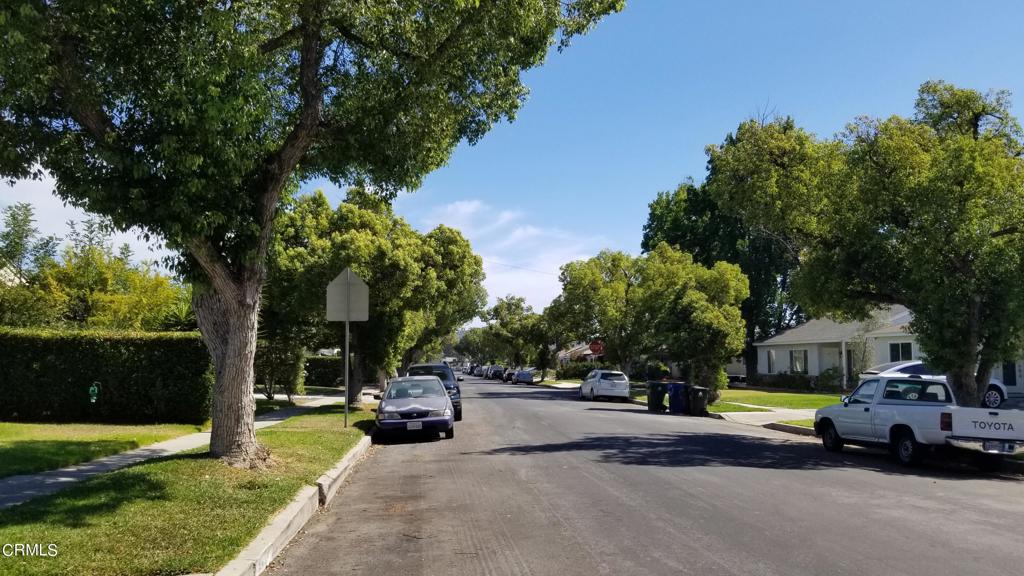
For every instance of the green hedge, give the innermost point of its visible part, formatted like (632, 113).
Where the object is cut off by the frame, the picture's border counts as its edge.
(579, 370)
(45, 376)
(324, 371)
(278, 368)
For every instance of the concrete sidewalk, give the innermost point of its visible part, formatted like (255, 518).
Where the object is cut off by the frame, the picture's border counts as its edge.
(17, 489)
(773, 415)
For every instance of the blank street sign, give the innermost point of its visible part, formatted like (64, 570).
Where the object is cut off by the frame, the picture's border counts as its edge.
(348, 298)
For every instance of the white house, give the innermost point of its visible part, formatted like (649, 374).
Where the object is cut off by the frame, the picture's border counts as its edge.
(9, 276)
(849, 347)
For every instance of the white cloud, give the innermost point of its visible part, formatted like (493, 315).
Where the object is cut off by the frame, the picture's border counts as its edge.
(52, 216)
(520, 256)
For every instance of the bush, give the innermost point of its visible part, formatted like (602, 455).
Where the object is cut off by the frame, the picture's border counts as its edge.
(324, 371)
(45, 375)
(279, 367)
(801, 382)
(650, 370)
(579, 370)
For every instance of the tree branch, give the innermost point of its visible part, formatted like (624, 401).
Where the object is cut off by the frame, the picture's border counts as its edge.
(215, 268)
(1015, 229)
(355, 38)
(280, 40)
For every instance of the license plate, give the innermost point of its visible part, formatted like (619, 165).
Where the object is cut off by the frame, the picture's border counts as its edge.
(996, 446)
(414, 426)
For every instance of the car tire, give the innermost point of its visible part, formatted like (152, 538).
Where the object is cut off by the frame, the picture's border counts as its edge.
(908, 451)
(458, 415)
(993, 398)
(449, 433)
(989, 462)
(592, 396)
(831, 439)
(581, 396)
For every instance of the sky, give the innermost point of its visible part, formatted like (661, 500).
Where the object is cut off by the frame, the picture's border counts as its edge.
(628, 110)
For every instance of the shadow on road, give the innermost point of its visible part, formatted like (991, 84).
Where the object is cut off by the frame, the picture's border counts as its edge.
(684, 449)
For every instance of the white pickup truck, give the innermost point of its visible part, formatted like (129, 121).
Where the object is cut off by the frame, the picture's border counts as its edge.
(915, 415)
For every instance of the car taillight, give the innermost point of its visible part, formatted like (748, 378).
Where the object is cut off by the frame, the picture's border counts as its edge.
(946, 422)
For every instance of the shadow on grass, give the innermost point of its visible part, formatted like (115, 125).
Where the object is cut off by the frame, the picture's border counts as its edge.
(77, 505)
(681, 450)
(28, 456)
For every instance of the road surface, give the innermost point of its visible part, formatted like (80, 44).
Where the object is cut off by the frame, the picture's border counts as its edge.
(537, 482)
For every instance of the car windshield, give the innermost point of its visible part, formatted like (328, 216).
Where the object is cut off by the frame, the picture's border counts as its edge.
(438, 371)
(614, 376)
(415, 389)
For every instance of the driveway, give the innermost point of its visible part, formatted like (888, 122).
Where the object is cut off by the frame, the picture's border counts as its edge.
(537, 482)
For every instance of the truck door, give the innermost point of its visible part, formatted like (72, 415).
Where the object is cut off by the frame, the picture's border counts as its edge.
(854, 417)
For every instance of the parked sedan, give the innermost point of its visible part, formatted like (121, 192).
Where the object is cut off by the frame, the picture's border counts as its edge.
(508, 375)
(416, 403)
(996, 393)
(478, 371)
(494, 372)
(524, 376)
(606, 383)
(448, 378)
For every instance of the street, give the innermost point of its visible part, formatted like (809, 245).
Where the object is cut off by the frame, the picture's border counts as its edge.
(537, 482)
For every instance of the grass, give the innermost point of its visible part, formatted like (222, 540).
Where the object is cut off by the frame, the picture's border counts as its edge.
(178, 515)
(809, 423)
(779, 399)
(264, 406)
(28, 448)
(719, 407)
(323, 391)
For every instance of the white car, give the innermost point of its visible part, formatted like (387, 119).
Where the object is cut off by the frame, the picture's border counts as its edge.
(604, 383)
(914, 415)
(995, 394)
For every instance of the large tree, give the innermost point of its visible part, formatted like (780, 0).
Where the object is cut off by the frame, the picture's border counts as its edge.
(925, 212)
(690, 219)
(192, 120)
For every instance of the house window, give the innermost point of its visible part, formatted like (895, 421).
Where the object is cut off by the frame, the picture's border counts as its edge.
(900, 351)
(771, 361)
(798, 361)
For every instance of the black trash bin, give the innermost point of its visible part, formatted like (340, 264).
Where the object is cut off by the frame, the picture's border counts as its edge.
(698, 400)
(677, 397)
(656, 396)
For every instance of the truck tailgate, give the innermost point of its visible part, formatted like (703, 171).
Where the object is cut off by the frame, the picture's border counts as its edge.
(986, 423)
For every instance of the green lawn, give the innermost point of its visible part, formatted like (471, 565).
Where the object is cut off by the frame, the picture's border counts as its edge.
(264, 406)
(323, 391)
(719, 407)
(179, 515)
(805, 423)
(27, 448)
(780, 399)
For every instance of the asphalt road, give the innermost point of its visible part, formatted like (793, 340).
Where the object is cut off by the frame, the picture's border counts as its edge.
(537, 482)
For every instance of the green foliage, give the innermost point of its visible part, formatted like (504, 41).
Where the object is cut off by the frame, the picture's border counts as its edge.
(21, 248)
(143, 377)
(515, 329)
(279, 368)
(324, 371)
(649, 370)
(921, 211)
(579, 370)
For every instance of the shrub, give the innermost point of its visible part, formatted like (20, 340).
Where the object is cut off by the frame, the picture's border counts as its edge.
(649, 370)
(324, 371)
(45, 375)
(279, 367)
(787, 381)
(579, 370)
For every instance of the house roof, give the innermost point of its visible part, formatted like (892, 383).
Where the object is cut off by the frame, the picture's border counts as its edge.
(884, 321)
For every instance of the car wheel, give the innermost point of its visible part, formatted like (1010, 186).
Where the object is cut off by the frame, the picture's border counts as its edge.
(458, 415)
(449, 433)
(993, 398)
(581, 397)
(831, 439)
(592, 397)
(907, 449)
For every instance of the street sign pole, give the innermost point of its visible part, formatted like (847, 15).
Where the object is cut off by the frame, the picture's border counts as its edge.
(348, 306)
(348, 300)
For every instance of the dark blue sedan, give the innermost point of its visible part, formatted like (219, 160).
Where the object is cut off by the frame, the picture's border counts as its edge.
(415, 404)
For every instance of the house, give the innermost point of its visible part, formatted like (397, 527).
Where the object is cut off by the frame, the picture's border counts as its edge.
(845, 348)
(9, 276)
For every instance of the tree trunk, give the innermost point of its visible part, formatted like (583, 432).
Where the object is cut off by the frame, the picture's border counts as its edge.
(229, 327)
(750, 354)
(355, 392)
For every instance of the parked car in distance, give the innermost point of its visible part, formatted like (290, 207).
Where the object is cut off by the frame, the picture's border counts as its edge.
(478, 371)
(604, 383)
(495, 372)
(996, 393)
(524, 376)
(416, 403)
(448, 378)
(508, 374)
(916, 415)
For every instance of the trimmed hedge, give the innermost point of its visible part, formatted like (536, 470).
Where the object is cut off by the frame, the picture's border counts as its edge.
(324, 371)
(579, 370)
(278, 368)
(144, 377)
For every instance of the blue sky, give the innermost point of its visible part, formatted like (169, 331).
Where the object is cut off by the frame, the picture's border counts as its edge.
(627, 111)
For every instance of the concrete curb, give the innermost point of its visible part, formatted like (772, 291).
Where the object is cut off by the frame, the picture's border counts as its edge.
(255, 558)
(789, 428)
(330, 481)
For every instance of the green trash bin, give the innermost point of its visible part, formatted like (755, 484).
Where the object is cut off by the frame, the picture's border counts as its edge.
(698, 404)
(656, 396)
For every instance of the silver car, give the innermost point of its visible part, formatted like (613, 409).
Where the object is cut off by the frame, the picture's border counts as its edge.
(414, 404)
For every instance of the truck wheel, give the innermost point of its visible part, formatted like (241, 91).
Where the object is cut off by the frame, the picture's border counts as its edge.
(993, 398)
(907, 450)
(831, 439)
